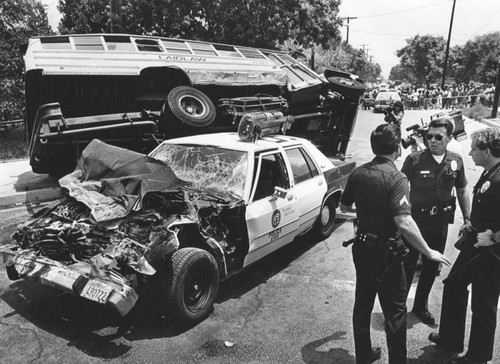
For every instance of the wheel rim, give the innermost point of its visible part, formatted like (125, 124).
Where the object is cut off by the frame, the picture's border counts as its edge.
(325, 215)
(197, 290)
(192, 106)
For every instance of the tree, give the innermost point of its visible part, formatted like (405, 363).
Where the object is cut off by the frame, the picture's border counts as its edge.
(346, 58)
(397, 73)
(84, 16)
(19, 20)
(258, 23)
(422, 59)
(478, 59)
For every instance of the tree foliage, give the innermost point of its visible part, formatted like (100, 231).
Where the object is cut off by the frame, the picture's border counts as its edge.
(19, 20)
(346, 58)
(258, 23)
(84, 16)
(478, 59)
(422, 59)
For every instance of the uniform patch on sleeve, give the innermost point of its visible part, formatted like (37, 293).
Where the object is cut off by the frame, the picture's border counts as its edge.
(403, 201)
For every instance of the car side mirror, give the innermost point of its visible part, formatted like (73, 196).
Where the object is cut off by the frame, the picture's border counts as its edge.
(278, 193)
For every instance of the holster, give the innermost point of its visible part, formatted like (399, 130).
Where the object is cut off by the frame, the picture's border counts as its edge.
(453, 204)
(394, 254)
(467, 239)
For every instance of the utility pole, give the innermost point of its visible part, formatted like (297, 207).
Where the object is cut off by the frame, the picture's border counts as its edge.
(116, 16)
(496, 96)
(448, 45)
(348, 18)
(364, 52)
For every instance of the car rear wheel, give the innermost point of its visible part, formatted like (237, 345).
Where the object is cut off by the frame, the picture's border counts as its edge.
(190, 106)
(346, 86)
(192, 284)
(326, 219)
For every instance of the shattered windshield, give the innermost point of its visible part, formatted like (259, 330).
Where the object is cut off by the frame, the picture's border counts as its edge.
(207, 168)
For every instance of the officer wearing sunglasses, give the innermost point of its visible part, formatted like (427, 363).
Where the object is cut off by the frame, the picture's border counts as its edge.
(434, 173)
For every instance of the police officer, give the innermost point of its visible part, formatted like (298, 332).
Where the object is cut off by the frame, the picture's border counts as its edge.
(433, 174)
(478, 262)
(380, 195)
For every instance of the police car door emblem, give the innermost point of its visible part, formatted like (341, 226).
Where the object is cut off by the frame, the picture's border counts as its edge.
(275, 220)
(453, 166)
(485, 187)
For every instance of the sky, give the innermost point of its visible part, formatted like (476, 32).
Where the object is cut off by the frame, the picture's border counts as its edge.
(382, 26)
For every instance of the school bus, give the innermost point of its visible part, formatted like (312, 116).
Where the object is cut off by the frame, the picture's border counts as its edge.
(133, 90)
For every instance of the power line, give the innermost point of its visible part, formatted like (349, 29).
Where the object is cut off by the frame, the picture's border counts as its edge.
(404, 11)
(392, 35)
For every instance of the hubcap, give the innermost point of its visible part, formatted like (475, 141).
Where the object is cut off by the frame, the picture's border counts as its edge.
(192, 106)
(196, 290)
(325, 215)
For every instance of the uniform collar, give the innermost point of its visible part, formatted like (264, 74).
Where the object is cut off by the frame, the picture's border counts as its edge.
(447, 155)
(379, 159)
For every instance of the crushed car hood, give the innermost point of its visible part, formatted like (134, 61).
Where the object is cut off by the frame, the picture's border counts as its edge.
(112, 181)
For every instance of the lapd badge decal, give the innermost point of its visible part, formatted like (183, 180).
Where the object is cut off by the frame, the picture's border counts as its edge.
(485, 186)
(275, 221)
(453, 166)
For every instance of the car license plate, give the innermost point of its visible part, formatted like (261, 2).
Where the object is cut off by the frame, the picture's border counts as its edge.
(96, 291)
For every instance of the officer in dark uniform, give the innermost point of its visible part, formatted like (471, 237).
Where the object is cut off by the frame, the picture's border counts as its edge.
(380, 194)
(478, 262)
(433, 174)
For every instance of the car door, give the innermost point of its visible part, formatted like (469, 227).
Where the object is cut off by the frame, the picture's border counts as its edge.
(308, 184)
(272, 222)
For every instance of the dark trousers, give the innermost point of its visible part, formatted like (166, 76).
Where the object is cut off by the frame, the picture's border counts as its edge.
(484, 275)
(391, 290)
(434, 229)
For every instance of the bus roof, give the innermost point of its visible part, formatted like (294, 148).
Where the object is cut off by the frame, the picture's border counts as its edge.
(123, 54)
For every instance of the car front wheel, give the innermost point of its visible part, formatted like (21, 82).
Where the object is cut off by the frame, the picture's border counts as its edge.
(192, 284)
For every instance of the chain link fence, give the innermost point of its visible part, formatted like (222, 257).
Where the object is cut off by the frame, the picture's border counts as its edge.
(14, 143)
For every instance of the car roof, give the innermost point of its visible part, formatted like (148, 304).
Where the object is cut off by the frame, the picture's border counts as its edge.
(231, 140)
(388, 94)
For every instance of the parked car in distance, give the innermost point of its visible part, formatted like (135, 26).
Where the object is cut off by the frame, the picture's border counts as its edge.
(367, 100)
(385, 99)
(198, 210)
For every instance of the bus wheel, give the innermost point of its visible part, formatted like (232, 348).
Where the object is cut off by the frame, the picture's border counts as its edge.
(190, 106)
(346, 86)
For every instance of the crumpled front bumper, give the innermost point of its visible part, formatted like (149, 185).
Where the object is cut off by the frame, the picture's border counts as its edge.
(75, 279)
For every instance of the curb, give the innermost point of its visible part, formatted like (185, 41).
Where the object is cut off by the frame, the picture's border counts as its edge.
(491, 122)
(40, 195)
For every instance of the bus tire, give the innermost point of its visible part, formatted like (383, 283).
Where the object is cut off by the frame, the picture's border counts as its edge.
(190, 106)
(346, 86)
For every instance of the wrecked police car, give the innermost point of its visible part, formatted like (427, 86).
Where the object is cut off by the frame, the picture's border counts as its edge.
(194, 212)
(85, 86)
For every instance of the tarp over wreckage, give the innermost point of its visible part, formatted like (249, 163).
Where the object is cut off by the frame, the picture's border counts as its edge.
(112, 181)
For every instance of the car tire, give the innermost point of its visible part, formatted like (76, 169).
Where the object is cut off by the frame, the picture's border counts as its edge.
(326, 220)
(192, 284)
(190, 106)
(346, 86)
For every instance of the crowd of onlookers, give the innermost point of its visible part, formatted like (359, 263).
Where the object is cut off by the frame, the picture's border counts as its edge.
(462, 95)
(449, 97)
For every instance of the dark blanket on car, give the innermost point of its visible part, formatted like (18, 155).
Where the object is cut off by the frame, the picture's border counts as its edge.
(112, 181)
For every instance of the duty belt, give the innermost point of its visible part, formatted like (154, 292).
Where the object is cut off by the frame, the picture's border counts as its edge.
(434, 210)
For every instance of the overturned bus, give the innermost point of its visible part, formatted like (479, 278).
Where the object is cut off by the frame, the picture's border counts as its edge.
(134, 91)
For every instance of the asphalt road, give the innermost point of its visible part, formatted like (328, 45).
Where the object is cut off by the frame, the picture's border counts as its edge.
(293, 307)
